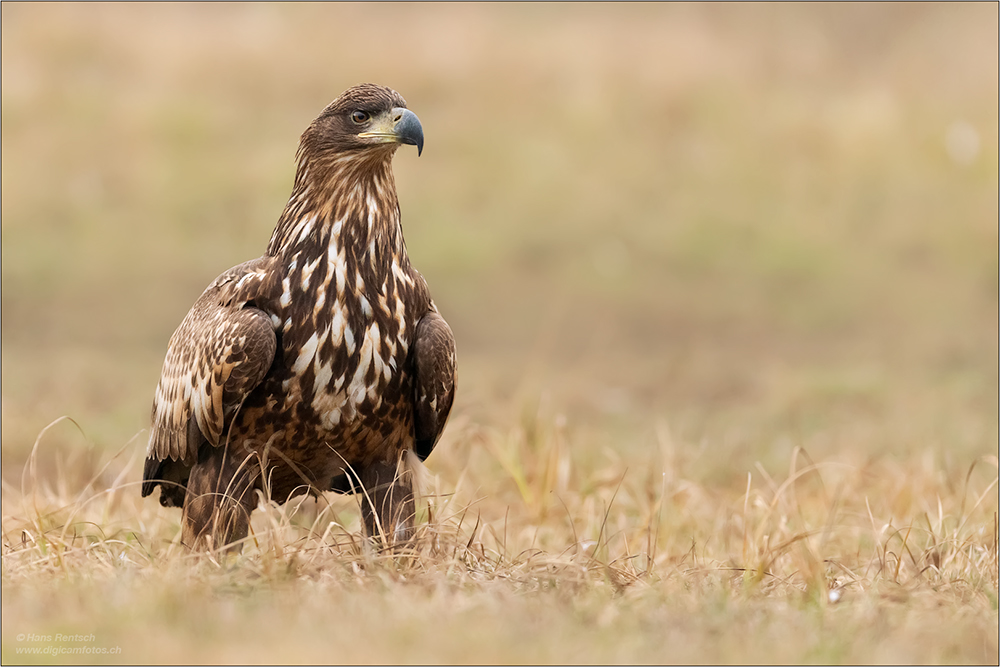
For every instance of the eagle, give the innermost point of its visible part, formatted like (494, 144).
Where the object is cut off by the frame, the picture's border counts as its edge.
(323, 365)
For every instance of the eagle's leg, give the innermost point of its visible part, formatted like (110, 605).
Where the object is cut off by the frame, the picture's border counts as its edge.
(220, 497)
(387, 503)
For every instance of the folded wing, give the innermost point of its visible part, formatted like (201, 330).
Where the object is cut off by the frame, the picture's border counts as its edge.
(434, 380)
(219, 354)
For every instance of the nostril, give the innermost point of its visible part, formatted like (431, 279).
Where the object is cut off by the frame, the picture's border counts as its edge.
(398, 117)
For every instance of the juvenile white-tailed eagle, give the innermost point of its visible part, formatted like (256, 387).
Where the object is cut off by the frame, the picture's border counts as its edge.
(320, 365)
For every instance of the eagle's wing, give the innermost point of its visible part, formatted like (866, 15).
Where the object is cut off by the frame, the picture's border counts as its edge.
(434, 380)
(219, 353)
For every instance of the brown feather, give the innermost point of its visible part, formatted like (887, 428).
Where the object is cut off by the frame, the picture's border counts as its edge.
(434, 380)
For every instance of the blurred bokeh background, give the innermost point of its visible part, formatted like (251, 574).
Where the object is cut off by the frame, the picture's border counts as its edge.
(752, 226)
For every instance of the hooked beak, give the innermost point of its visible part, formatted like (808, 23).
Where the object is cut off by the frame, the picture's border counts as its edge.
(400, 126)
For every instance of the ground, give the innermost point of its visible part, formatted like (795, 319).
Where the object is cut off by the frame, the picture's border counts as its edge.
(724, 283)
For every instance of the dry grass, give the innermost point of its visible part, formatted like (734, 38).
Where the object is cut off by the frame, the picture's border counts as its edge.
(724, 284)
(830, 563)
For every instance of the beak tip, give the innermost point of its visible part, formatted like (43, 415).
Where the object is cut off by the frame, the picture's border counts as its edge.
(409, 130)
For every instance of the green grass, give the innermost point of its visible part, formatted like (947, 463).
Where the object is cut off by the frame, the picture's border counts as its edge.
(725, 301)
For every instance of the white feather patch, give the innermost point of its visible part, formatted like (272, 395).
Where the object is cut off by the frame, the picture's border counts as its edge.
(305, 227)
(307, 272)
(349, 339)
(306, 355)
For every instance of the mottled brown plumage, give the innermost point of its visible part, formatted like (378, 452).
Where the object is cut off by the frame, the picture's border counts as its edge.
(319, 365)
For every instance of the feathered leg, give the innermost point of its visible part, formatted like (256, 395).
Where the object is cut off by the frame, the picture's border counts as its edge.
(387, 503)
(220, 497)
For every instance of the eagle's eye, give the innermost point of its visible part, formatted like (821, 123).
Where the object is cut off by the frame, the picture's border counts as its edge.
(360, 117)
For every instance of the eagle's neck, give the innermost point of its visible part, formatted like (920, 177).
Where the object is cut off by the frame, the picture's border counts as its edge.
(345, 208)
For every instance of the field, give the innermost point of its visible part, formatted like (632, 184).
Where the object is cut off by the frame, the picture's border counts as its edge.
(724, 283)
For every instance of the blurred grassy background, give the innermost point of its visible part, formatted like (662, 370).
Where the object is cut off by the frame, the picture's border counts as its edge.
(763, 226)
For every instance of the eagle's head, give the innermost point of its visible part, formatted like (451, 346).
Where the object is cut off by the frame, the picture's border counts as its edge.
(366, 121)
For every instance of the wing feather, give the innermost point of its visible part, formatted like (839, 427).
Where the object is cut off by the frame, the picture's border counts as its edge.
(434, 380)
(218, 355)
